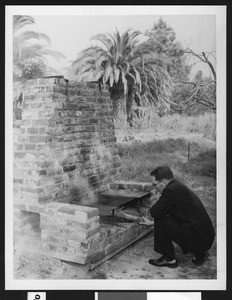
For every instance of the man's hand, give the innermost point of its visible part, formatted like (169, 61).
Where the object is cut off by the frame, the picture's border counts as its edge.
(146, 222)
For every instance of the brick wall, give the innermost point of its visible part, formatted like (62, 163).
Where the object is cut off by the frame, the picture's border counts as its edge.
(65, 144)
(65, 149)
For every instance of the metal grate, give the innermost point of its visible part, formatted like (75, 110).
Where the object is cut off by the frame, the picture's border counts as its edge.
(108, 201)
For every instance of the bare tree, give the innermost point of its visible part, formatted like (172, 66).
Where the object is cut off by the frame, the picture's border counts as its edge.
(203, 93)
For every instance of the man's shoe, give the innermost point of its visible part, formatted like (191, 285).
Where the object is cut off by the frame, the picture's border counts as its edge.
(163, 262)
(200, 258)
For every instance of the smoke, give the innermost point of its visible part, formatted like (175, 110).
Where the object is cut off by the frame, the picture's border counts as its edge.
(104, 154)
(27, 232)
(82, 193)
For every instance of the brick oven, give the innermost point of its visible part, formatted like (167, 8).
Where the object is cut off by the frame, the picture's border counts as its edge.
(69, 202)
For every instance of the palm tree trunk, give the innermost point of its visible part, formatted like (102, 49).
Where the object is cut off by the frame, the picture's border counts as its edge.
(130, 101)
(129, 107)
(119, 106)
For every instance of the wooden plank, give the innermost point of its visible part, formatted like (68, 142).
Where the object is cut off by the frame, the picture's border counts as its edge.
(123, 215)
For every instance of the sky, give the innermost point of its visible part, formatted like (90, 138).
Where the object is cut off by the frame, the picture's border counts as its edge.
(71, 34)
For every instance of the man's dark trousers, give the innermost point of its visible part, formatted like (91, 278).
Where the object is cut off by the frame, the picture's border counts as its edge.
(180, 216)
(166, 231)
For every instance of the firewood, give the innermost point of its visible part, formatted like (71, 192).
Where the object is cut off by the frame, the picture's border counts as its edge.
(128, 217)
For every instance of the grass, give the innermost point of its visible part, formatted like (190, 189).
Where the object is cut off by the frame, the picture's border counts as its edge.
(205, 124)
(139, 159)
(199, 173)
(177, 124)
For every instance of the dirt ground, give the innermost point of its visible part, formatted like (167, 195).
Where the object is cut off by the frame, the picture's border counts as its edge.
(130, 263)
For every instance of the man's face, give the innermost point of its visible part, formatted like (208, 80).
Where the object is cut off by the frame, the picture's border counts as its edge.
(158, 184)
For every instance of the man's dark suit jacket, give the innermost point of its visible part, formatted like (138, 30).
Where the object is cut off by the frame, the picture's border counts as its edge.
(183, 205)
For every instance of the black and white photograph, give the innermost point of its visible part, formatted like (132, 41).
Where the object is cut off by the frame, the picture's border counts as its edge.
(116, 147)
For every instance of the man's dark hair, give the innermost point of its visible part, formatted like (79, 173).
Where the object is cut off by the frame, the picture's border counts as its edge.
(162, 172)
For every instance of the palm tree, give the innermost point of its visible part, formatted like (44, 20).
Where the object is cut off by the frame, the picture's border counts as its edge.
(111, 64)
(24, 50)
(156, 82)
(29, 58)
(120, 63)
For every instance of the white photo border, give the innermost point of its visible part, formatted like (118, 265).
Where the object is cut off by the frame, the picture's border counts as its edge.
(148, 285)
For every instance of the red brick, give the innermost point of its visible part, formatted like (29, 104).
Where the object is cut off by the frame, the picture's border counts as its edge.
(19, 154)
(30, 147)
(37, 139)
(35, 105)
(22, 130)
(16, 180)
(32, 130)
(44, 81)
(18, 147)
(31, 190)
(116, 164)
(40, 122)
(39, 89)
(29, 97)
(69, 168)
(42, 130)
(26, 122)
(32, 82)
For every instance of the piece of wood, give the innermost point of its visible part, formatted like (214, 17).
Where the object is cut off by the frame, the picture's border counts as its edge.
(128, 217)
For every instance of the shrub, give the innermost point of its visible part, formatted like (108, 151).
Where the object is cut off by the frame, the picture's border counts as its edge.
(203, 164)
(158, 146)
(204, 124)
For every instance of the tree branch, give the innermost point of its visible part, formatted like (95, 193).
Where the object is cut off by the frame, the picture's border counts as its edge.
(210, 65)
(210, 104)
(195, 83)
(204, 59)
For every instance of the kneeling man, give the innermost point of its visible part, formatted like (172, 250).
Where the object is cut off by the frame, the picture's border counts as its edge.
(179, 217)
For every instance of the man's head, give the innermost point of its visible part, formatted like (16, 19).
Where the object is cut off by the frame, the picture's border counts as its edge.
(160, 177)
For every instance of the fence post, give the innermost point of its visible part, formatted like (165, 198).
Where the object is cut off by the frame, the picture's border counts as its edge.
(189, 152)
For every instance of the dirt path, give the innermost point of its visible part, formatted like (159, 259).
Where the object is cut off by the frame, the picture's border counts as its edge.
(131, 263)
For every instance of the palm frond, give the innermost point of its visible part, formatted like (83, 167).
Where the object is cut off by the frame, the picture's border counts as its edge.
(55, 54)
(108, 72)
(116, 75)
(27, 35)
(106, 40)
(132, 76)
(19, 21)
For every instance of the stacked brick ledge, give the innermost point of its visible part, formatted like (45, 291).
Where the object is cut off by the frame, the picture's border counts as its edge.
(68, 231)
